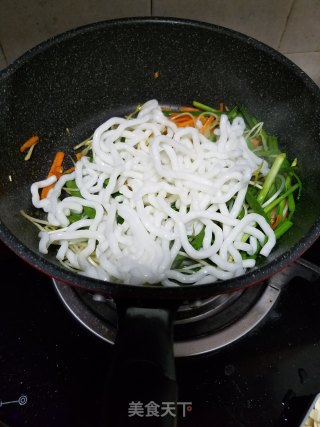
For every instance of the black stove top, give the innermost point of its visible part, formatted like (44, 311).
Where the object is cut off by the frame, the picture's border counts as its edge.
(53, 371)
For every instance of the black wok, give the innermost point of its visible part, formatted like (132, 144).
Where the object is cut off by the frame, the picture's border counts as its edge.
(82, 77)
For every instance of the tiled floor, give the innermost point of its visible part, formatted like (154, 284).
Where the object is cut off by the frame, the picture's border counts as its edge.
(291, 26)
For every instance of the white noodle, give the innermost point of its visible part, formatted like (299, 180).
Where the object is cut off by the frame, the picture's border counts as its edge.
(174, 182)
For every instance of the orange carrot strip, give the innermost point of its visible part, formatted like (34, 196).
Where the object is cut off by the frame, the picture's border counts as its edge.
(31, 141)
(255, 142)
(207, 124)
(79, 155)
(186, 109)
(69, 170)
(45, 191)
(179, 116)
(182, 119)
(221, 107)
(56, 169)
(185, 123)
(274, 225)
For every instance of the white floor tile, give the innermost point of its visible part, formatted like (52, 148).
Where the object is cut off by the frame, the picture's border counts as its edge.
(302, 32)
(25, 23)
(262, 19)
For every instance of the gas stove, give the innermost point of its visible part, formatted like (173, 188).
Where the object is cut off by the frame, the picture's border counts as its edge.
(245, 359)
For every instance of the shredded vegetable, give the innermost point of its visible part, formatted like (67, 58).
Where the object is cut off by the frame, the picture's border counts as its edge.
(169, 196)
(29, 145)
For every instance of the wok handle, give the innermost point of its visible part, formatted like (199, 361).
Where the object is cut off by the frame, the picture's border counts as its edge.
(142, 375)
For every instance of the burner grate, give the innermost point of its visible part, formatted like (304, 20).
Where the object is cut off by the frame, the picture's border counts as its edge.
(201, 326)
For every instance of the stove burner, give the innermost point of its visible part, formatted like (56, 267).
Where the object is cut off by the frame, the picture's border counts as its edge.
(201, 326)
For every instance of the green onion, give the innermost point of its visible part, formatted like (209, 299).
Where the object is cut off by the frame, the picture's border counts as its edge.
(280, 198)
(197, 241)
(282, 228)
(291, 201)
(178, 261)
(116, 194)
(251, 122)
(193, 113)
(281, 207)
(291, 205)
(205, 107)
(89, 212)
(232, 114)
(72, 186)
(255, 205)
(272, 142)
(271, 177)
(120, 220)
(74, 217)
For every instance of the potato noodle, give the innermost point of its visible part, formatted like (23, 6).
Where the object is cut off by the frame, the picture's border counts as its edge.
(164, 185)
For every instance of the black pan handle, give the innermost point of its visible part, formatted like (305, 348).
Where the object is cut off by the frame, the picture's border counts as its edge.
(142, 384)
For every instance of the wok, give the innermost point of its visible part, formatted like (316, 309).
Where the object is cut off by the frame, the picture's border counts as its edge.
(79, 79)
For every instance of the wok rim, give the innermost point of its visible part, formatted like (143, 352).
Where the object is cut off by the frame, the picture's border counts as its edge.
(252, 277)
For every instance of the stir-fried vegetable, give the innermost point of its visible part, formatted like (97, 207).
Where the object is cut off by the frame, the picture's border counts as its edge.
(56, 169)
(29, 144)
(272, 195)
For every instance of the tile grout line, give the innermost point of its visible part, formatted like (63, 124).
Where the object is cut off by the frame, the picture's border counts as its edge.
(285, 24)
(3, 54)
(306, 51)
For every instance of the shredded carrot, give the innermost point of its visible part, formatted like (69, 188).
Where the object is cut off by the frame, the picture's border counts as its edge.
(188, 109)
(207, 124)
(221, 107)
(255, 142)
(45, 191)
(273, 214)
(275, 224)
(29, 143)
(185, 123)
(56, 169)
(179, 116)
(182, 119)
(79, 155)
(69, 170)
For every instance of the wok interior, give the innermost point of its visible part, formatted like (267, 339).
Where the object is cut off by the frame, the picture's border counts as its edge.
(80, 79)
